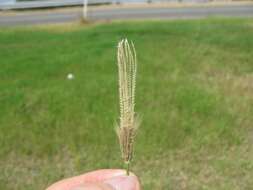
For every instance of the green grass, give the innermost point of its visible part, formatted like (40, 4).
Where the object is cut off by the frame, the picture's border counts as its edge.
(194, 92)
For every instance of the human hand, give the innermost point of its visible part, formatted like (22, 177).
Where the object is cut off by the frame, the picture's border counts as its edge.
(107, 179)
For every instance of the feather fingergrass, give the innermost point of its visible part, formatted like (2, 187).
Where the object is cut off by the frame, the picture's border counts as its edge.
(128, 124)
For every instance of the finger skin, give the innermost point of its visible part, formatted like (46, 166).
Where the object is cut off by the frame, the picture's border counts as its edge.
(94, 186)
(93, 178)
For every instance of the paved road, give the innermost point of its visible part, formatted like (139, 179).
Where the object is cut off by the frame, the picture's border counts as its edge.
(11, 4)
(127, 13)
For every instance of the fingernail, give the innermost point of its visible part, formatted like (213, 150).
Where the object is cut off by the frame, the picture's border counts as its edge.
(122, 182)
(87, 186)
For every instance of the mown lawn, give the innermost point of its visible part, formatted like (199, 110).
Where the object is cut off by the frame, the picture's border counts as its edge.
(195, 95)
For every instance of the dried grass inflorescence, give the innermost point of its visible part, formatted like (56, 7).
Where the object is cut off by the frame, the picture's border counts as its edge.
(128, 124)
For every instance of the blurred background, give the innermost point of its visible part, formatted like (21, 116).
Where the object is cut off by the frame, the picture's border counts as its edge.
(59, 92)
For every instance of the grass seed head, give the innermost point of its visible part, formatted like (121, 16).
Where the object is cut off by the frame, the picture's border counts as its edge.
(128, 124)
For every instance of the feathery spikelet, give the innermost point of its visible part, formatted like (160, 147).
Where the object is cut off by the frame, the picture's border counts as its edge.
(128, 123)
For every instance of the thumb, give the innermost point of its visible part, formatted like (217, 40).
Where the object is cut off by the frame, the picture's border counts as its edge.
(115, 183)
(123, 183)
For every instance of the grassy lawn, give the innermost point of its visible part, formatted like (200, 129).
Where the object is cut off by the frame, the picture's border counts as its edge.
(194, 92)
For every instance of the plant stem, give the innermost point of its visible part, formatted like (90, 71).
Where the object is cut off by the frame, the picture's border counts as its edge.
(127, 168)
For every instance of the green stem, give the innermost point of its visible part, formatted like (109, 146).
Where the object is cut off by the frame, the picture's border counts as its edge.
(127, 168)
